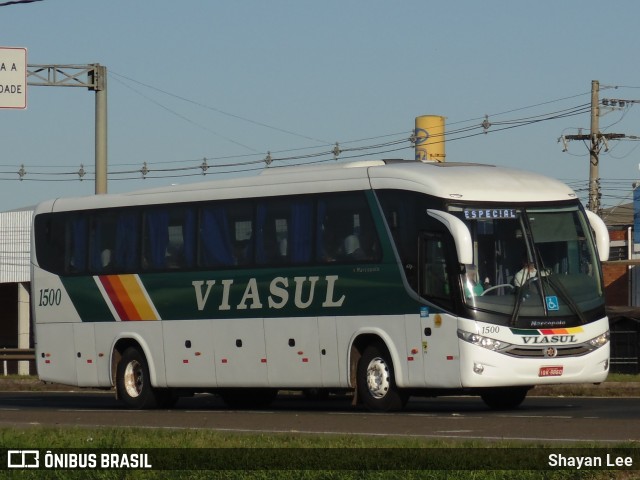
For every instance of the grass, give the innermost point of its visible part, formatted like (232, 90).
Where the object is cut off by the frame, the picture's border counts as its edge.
(622, 377)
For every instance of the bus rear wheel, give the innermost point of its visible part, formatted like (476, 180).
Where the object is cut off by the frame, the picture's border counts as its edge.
(376, 381)
(504, 398)
(133, 381)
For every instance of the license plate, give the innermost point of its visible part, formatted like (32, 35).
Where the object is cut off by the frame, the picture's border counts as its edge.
(550, 371)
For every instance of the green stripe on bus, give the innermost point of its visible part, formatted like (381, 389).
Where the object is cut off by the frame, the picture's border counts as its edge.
(87, 299)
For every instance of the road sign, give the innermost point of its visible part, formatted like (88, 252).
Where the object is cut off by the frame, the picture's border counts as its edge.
(13, 77)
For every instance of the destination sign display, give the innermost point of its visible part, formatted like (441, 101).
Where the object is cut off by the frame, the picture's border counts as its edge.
(489, 213)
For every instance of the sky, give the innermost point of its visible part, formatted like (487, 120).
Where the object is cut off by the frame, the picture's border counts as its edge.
(230, 81)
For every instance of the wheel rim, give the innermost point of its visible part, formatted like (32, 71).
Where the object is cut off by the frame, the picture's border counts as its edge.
(133, 379)
(378, 377)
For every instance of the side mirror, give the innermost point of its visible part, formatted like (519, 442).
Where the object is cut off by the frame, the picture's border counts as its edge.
(459, 231)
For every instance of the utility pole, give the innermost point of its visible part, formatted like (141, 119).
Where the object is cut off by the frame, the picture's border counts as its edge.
(96, 80)
(595, 138)
(99, 77)
(594, 173)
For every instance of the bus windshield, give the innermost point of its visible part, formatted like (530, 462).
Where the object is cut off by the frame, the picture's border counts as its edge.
(532, 263)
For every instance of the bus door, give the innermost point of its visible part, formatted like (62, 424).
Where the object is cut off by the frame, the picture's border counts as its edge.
(440, 352)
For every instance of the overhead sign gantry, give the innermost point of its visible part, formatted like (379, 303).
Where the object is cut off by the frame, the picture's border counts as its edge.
(15, 74)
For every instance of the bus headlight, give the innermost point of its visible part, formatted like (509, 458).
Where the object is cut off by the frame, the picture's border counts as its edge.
(484, 342)
(600, 340)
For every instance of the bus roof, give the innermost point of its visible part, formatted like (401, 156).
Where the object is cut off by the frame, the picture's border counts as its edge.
(471, 182)
(463, 181)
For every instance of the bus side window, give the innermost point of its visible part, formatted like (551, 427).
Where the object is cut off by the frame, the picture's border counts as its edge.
(243, 244)
(156, 239)
(214, 237)
(76, 244)
(169, 238)
(181, 250)
(272, 231)
(126, 256)
(102, 242)
(225, 234)
(435, 282)
(345, 230)
(401, 209)
(300, 242)
(50, 240)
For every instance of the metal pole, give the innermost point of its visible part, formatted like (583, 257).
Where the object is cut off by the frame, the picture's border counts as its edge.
(23, 325)
(101, 129)
(594, 175)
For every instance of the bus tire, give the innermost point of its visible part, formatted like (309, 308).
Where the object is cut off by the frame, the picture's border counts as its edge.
(376, 381)
(134, 382)
(504, 398)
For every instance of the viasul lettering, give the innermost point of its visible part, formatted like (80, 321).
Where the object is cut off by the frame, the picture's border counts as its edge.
(302, 290)
(538, 340)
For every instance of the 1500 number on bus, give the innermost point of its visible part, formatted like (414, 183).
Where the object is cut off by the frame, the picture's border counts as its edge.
(49, 297)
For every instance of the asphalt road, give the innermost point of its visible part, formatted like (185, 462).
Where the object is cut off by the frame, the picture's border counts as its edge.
(545, 419)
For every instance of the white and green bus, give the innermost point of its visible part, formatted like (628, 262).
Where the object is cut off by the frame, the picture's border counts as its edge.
(387, 278)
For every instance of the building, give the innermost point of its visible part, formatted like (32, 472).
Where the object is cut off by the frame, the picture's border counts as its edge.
(622, 289)
(15, 279)
(617, 271)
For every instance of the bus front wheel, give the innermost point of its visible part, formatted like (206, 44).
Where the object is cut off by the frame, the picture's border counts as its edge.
(376, 381)
(133, 381)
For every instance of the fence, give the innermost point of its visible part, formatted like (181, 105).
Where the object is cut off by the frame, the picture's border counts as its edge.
(14, 355)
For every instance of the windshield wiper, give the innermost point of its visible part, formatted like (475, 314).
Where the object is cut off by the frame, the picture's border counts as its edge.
(516, 307)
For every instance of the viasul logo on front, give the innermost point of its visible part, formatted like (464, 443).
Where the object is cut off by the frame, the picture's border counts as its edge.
(548, 336)
(552, 339)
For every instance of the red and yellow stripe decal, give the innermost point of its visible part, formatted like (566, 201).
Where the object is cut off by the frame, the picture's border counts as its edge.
(126, 297)
(561, 331)
(547, 331)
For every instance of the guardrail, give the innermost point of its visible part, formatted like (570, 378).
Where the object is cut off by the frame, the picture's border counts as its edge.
(17, 354)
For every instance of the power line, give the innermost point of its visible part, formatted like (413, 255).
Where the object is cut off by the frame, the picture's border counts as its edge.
(200, 104)
(250, 161)
(183, 117)
(146, 170)
(217, 110)
(16, 2)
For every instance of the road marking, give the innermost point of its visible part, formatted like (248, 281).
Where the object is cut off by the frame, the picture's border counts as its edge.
(454, 431)
(560, 417)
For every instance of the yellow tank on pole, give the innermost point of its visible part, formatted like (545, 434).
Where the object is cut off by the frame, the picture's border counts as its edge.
(429, 135)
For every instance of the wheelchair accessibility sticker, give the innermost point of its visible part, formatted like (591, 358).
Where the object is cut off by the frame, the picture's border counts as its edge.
(552, 303)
